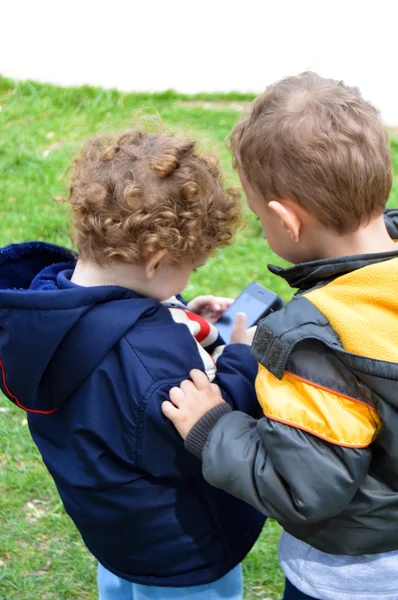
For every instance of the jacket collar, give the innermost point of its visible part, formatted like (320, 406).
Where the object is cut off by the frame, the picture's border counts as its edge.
(307, 275)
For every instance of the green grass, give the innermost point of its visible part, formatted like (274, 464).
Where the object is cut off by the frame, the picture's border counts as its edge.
(41, 554)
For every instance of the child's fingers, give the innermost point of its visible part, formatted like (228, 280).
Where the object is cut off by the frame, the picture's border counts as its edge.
(238, 333)
(200, 303)
(215, 389)
(177, 396)
(210, 315)
(251, 333)
(200, 380)
(187, 387)
(170, 411)
(241, 320)
(220, 305)
(207, 299)
(239, 327)
(225, 302)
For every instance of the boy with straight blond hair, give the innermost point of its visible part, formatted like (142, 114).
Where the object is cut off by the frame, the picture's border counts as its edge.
(315, 163)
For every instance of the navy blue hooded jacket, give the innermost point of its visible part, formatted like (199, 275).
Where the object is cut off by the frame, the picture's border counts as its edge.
(92, 367)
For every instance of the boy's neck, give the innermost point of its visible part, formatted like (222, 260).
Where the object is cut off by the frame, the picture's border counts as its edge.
(370, 239)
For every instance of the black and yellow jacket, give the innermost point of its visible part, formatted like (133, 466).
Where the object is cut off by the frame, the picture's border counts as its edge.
(323, 460)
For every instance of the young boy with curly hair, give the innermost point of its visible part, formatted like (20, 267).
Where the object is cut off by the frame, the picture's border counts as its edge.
(100, 344)
(315, 163)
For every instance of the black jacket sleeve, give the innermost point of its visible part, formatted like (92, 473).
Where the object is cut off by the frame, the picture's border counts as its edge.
(280, 464)
(282, 471)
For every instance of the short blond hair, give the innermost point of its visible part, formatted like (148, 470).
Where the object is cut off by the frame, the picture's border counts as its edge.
(318, 142)
(136, 194)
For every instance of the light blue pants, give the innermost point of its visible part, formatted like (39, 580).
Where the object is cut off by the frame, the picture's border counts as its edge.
(111, 587)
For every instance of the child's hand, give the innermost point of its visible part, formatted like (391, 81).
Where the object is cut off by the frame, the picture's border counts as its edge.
(241, 335)
(209, 307)
(191, 401)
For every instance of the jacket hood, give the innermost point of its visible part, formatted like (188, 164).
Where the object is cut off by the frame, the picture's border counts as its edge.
(52, 332)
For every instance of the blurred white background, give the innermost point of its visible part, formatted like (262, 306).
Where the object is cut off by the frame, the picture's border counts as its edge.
(203, 45)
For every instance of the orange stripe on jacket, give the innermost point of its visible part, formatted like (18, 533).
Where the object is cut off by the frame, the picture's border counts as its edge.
(334, 417)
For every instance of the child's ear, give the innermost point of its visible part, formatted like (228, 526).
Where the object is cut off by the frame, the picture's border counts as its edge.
(289, 218)
(153, 263)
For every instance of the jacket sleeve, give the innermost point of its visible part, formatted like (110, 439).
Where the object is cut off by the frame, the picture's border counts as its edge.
(284, 472)
(304, 460)
(160, 449)
(236, 374)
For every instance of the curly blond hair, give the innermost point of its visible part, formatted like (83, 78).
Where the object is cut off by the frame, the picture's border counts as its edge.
(136, 194)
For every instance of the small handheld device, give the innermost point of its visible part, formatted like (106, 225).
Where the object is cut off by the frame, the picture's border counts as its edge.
(256, 301)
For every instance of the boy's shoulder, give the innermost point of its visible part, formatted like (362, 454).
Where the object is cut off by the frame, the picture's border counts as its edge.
(166, 349)
(349, 303)
(341, 332)
(309, 381)
(280, 333)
